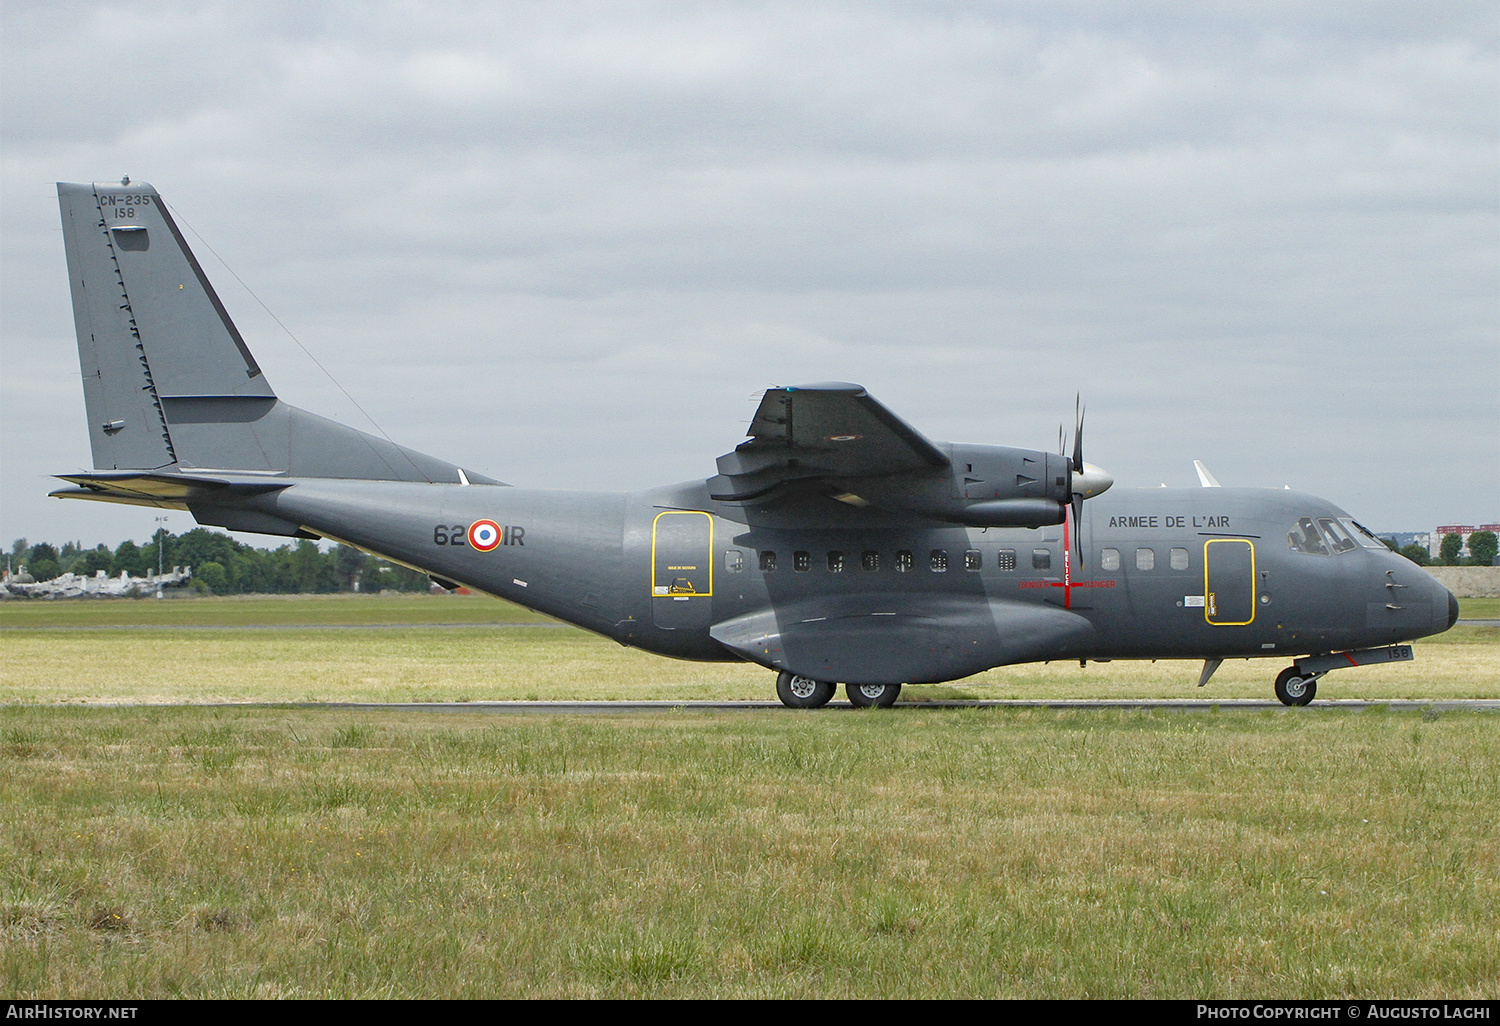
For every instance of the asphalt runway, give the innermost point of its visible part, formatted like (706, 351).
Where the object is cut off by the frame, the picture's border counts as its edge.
(1168, 704)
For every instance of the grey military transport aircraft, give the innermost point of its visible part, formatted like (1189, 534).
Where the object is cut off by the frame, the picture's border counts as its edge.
(837, 545)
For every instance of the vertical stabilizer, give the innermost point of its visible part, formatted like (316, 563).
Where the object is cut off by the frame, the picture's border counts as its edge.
(150, 327)
(168, 382)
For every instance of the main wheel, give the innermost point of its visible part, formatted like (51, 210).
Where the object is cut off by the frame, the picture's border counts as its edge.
(878, 696)
(802, 692)
(1294, 687)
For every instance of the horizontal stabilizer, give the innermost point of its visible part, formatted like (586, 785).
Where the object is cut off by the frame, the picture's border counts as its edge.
(171, 490)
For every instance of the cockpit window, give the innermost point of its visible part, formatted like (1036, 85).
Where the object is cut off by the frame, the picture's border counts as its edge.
(1329, 535)
(1338, 537)
(1362, 534)
(1305, 537)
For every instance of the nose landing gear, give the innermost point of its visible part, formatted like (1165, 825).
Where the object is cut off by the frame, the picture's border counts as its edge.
(1296, 687)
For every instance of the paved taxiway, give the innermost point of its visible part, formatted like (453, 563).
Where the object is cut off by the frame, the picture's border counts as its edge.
(1173, 704)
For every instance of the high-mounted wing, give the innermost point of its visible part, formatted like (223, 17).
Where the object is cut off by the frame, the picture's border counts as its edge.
(837, 439)
(829, 430)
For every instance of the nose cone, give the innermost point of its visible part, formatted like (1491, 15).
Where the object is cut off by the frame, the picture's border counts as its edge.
(1452, 608)
(1091, 481)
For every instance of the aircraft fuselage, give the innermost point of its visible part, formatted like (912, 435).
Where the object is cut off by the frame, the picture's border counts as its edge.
(1166, 573)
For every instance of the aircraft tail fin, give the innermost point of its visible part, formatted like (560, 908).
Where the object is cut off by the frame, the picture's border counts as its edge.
(169, 384)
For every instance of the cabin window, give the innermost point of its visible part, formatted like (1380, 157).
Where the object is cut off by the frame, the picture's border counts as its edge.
(937, 561)
(835, 562)
(1041, 559)
(1179, 559)
(903, 561)
(1109, 559)
(801, 561)
(1005, 559)
(870, 560)
(768, 561)
(734, 560)
(1145, 559)
(973, 560)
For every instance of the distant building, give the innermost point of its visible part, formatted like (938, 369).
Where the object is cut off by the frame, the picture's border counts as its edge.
(1435, 545)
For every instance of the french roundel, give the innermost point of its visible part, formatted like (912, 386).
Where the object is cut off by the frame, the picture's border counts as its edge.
(484, 535)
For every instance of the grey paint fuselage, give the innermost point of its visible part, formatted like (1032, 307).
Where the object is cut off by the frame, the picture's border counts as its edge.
(586, 558)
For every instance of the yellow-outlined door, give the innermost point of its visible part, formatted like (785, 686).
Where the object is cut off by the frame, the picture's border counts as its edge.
(682, 568)
(1229, 581)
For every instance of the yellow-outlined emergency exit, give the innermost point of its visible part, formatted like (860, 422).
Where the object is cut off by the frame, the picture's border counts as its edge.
(1229, 581)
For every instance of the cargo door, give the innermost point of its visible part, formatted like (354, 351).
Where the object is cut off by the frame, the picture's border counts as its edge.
(682, 577)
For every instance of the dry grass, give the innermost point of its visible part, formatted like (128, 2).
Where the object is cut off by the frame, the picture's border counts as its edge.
(919, 853)
(241, 650)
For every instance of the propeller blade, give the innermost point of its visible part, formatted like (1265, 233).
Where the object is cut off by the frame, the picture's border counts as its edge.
(1078, 528)
(1078, 414)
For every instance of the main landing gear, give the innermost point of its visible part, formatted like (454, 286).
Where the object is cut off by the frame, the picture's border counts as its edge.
(798, 692)
(872, 696)
(802, 692)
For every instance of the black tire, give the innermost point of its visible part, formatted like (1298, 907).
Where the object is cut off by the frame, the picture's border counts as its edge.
(872, 696)
(1293, 687)
(797, 692)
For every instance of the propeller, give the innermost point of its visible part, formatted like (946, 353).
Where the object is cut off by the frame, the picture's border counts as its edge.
(1087, 480)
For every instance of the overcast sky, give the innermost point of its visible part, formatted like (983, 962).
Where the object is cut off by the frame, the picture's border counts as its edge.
(568, 244)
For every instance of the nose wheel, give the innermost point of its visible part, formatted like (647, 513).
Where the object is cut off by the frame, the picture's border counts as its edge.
(1294, 687)
(797, 692)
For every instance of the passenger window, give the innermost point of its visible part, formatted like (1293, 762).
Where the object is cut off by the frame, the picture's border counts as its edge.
(1041, 559)
(1109, 559)
(835, 562)
(801, 561)
(937, 560)
(734, 560)
(768, 561)
(973, 560)
(903, 561)
(1179, 559)
(1005, 559)
(1145, 559)
(870, 560)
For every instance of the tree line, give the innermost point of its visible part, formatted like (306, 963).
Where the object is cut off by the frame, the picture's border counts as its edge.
(223, 566)
(1483, 547)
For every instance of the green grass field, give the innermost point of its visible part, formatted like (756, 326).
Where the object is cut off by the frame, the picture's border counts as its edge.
(160, 850)
(262, 649)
